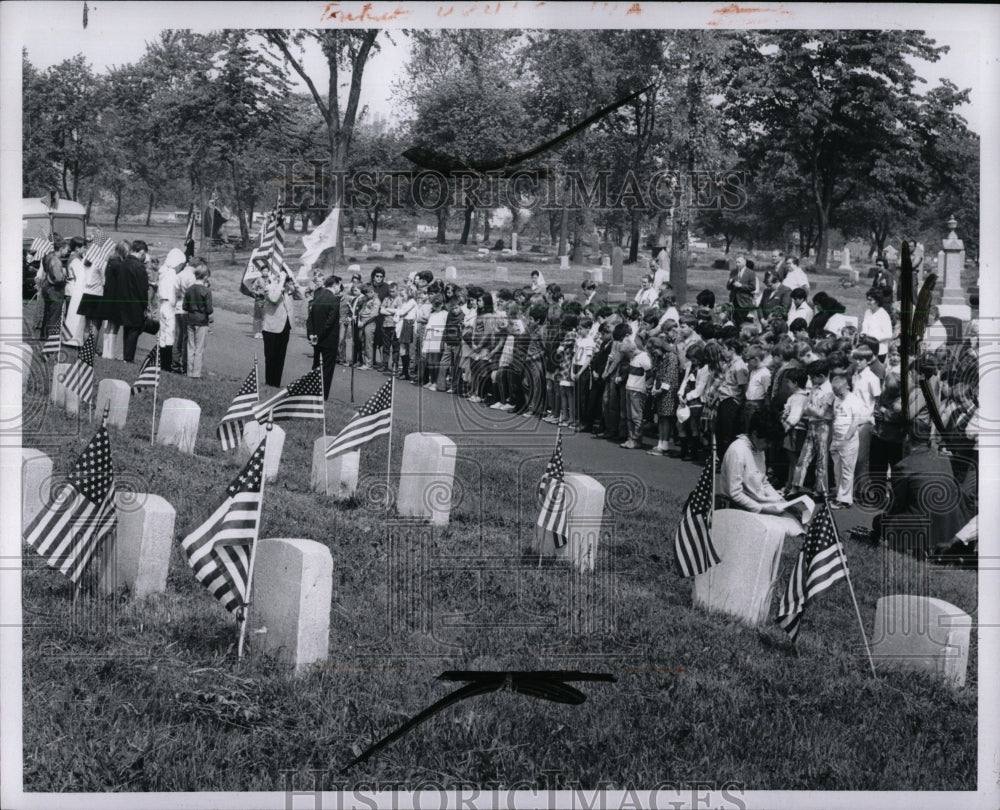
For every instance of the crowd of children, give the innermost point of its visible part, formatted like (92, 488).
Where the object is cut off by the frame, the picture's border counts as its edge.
(690, 376)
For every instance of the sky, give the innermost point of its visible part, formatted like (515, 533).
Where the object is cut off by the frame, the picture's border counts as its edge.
(104, 46)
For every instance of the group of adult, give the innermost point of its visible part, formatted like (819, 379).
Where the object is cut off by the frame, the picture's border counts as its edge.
(126, 295)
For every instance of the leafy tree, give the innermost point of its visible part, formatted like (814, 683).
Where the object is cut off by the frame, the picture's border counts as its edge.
(347, 53)
(838, 104)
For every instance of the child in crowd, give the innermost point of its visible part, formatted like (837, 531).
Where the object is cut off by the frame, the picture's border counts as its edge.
(563, 355)
(866, 387)
(637, 386)
(792, 420)
(403, 317)
(430, 350)
(665, 386)
(697, 376)
(844, 438)
(583, 351)
(818, 412)
(367, 307)
(731, 392)
(758, 384)
(198, 306)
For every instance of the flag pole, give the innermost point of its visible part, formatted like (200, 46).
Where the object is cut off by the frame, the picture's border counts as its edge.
(388, 463)
(711, 506)
(847, 574)
(326, 467)
(253, 548)
(152, 425)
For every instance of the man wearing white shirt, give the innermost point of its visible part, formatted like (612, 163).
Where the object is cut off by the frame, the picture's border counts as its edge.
(647, 295)
(185, 278)
(795, 277)
(877, 323)
(799, 308)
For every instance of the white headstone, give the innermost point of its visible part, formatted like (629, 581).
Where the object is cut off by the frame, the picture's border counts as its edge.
(501, 274)
(845, 261)
(426, 477)
(36, 483)
(921, 633)
(253, 435)
(596, 275)
(179, 424)
(742, 585)
(337, 476)
(290, 601)
(585, 516)
(483, 251)
(376, 246)
(57, 393)
(606, 261)
(513, 243)
(364, 248)
(137, 553)
(564, 262)
(451, 272)
(115, 393)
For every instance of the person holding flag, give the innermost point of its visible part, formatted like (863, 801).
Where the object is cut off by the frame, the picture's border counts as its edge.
(279, 318)
(92, 303)
(53, 286)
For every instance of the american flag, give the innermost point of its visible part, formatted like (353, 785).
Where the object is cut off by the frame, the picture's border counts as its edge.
(303, 399)
(100, 251)
(693, 540)
(820, 564)
(219, 549)
(240, 411)
(149, 371)
(40, 246)
(69, 529)
(80, 377)
(373, 420)
(53, 343)
(552, 494)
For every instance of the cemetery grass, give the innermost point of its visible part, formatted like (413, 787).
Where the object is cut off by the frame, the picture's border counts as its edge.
(123, 696)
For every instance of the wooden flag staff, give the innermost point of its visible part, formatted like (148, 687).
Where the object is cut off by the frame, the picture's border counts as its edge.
(253, 548)
(156, 387)
(850, 585)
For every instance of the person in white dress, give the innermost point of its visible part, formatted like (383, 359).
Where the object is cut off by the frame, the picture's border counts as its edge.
(76, 282)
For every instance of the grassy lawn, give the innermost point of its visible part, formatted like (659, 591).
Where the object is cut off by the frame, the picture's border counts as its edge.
(150, 696)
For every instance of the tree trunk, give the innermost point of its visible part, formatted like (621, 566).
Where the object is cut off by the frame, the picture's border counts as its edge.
(442, 221)
(633, 235)
(729, 241)
(90, 205)
(564, 223)
(118, 205)
(240, 214)
(202, 239)
(375, 225)
(149, 208)
(470, 209)
(555, 218)
(487, 228)
(679, 246)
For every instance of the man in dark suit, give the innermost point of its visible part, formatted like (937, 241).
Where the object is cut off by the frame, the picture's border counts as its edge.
(132, 307)
(742, 286)
(323, 328)
(775, 298)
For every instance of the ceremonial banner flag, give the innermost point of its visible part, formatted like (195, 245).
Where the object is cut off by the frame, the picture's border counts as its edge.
(219, 550)
(303, 399)
(240, 411)
(325, 236)
(373, 420)
(69, 529)
(819, 565)
(80, 377)
(149, 371)
(693, 540)
(552, 493)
